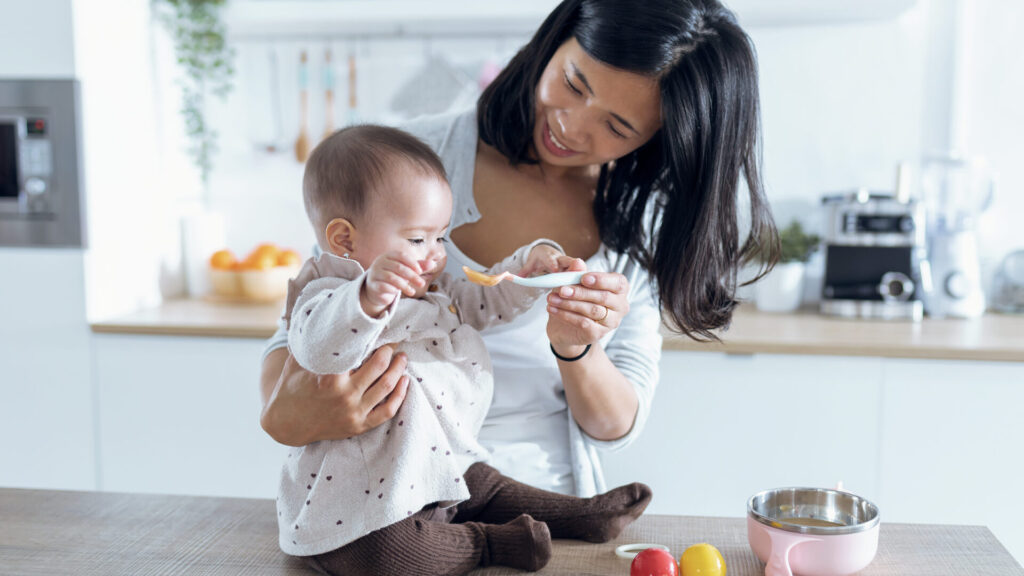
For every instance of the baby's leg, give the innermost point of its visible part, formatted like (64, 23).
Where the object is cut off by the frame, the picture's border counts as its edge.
(422, 545)
(497, 498)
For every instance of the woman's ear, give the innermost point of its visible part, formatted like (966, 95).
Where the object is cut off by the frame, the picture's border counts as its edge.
(341, 237)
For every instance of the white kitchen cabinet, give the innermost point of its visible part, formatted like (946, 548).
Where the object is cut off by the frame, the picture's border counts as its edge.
(181, 415)
(724, 427)
(931, 441)
(46, 394)
(954, 445)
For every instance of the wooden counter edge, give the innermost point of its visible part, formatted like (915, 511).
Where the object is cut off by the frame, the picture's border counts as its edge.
(682, 344)
(169, 320)
(113, 327)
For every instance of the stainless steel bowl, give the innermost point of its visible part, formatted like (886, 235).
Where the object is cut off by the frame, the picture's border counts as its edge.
(813, 511)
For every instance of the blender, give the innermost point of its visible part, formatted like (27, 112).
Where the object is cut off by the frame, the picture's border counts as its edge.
(956, 190)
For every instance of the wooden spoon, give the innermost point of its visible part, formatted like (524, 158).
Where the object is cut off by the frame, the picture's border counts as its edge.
(302, 142)
(329, 93)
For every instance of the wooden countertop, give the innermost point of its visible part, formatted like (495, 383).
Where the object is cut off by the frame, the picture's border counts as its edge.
(198, 317)
(991, 337)
(48, 532)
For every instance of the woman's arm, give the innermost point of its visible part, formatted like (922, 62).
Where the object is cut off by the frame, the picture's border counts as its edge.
(608, 390)
(300, 407)
(602, 401)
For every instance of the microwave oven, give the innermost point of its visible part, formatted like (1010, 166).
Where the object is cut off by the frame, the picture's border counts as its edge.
(41, 201)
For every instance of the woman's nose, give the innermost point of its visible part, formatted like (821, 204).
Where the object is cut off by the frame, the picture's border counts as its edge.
(572, 126)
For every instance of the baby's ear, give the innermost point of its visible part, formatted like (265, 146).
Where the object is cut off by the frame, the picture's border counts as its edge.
(341, 236)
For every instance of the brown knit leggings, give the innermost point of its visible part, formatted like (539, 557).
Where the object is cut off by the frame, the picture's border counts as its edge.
(492, 527)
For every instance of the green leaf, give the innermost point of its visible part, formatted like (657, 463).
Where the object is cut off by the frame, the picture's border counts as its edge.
(206, 60)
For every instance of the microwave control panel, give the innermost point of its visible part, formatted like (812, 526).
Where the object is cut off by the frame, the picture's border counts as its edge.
(26, 164)
(41, 198)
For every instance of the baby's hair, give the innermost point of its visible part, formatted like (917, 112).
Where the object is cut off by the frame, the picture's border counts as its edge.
(354, 163)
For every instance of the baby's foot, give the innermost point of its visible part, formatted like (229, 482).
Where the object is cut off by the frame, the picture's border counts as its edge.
(523, 543)
(608, 514)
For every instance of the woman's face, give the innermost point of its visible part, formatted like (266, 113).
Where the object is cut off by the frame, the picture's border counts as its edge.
(588, 113)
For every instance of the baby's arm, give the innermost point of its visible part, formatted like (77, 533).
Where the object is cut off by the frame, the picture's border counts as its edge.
(335, 324)
(481, 306)
(329, 333)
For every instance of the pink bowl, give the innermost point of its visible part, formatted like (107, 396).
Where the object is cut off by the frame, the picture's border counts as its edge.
(812, 531)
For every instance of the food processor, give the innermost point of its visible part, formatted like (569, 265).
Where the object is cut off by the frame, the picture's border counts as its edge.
(956, 190)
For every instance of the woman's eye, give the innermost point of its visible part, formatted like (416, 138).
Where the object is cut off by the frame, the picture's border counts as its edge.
(614, 131)
(415, 241)
(571, 86)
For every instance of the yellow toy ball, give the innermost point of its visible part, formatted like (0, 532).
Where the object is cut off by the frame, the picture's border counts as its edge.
(701, 560)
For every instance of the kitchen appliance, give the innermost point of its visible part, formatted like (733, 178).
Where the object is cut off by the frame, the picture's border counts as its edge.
(956, 190)
(40, 194)
(1008, 285)
(41, 202)
(875, 256)
(812, 531)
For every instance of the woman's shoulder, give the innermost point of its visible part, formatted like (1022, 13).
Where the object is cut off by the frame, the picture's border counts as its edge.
(444, 132)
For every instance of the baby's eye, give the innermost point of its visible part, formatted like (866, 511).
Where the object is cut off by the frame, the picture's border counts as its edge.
(415, 241)
(442, 240)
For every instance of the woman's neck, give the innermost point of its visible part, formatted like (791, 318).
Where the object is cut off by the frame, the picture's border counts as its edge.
(548, 175)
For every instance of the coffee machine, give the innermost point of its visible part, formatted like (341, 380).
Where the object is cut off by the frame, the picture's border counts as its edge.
(875, 256)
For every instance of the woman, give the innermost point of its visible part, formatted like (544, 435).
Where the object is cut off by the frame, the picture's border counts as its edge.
(621, 131)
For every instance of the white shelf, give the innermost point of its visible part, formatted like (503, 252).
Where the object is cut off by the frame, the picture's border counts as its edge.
(264, 19)
(254, 19)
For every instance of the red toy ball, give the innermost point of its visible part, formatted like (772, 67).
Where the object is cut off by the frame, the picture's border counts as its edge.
(654, 562)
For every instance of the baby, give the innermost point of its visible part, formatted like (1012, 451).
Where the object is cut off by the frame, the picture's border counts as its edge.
(412, 496)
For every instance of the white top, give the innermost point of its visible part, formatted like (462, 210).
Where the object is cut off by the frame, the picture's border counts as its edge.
(529, 430)
(335, 491)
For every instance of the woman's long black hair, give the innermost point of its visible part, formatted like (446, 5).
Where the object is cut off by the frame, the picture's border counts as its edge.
(688, 175)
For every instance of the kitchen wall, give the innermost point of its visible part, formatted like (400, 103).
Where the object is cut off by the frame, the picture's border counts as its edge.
(842, 104)
(844, 100)
(37, 41)
(993, 81)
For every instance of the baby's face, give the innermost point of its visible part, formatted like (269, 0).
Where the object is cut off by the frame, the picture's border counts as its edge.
(410, 213)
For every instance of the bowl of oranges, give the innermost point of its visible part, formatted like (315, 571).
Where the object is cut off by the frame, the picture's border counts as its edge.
(262, 276)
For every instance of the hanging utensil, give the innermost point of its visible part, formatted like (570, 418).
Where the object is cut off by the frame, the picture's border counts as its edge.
(328, 94)
(352, 102)
(302, 142)
(266, 133)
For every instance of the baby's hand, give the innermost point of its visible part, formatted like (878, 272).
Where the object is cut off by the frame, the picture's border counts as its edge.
(546, 259)
(391, 274)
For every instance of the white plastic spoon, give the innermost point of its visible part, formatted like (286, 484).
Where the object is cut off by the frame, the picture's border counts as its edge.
(546, 281)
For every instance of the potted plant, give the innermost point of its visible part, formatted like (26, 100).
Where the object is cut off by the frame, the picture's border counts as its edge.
(782, 289)
(205, 60)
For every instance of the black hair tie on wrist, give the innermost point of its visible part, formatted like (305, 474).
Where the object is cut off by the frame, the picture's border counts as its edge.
(563, 358)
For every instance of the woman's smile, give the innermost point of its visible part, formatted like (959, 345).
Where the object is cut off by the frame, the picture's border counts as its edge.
(553, 145)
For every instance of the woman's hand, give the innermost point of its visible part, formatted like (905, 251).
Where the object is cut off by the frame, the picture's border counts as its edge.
(302, 407)
(582, 315)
